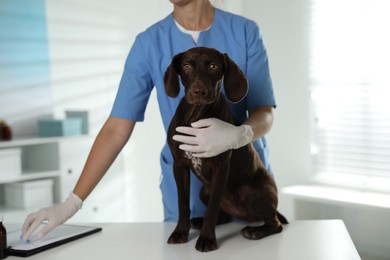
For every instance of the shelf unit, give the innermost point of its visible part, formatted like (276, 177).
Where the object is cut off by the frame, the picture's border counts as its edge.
(39, 158)
(62, 159)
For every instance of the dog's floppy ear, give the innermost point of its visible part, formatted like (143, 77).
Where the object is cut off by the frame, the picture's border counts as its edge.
(171, 77)
(235, 82)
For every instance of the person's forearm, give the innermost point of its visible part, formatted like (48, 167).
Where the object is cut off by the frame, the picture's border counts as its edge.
(109, 142)
(260, 120)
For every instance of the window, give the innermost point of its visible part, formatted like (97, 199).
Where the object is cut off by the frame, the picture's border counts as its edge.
(24, 64)
(350, 89)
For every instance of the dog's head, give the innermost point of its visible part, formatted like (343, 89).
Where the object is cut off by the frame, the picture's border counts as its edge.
(201, 71)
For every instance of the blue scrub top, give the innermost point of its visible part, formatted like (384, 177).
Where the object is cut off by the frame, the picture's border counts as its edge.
(149, 57)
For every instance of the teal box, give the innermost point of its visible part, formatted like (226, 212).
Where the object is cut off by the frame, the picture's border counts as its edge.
(83, 115)
(57, 127)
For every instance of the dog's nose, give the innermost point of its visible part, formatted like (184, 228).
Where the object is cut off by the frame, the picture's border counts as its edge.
(198, 90)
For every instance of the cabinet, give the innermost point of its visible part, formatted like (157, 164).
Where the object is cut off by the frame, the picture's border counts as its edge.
(62, 159)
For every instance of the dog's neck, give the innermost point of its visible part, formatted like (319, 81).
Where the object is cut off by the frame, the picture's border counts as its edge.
(195, 112)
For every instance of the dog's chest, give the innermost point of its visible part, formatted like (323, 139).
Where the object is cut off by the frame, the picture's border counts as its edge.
(196, 165)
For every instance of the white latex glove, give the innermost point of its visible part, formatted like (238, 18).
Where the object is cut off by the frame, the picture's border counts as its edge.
(210, 137)
(55, 215)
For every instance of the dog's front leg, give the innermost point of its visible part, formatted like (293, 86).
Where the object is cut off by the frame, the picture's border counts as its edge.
(207, 240)
(182, 178)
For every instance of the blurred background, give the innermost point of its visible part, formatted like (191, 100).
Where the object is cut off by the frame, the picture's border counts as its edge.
(330, 144)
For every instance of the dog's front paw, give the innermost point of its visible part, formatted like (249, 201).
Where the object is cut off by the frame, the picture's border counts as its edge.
(178, 237)
(205, 244)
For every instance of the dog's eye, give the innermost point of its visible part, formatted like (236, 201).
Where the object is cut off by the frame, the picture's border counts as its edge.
(187, 67)
(213, 67)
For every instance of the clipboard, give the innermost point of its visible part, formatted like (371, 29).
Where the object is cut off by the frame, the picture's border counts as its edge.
(61, 235)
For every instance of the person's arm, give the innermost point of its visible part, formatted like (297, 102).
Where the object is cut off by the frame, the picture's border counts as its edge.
(109, 142)
(260, 120)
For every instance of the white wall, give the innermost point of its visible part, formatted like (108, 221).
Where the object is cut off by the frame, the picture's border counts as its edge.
(284, 25)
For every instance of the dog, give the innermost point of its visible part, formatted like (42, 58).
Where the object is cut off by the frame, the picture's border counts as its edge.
(236, 183)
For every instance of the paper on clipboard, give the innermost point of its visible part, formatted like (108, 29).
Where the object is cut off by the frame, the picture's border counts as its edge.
(60, 235)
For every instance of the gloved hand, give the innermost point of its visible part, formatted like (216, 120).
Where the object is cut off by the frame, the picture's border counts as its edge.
(210, 137)
(55, 215)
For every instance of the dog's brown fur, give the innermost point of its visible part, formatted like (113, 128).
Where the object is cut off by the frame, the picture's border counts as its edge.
(236, 182)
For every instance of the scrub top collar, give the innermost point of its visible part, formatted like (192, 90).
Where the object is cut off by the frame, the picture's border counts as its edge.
(187, 33)
(194, 34)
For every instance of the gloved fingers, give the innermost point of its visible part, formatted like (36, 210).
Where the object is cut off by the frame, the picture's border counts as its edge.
(204, 122)
(191, 148)
(187, 130)
(185, 139)
(46, 229)
(28, 221)
(31, 224)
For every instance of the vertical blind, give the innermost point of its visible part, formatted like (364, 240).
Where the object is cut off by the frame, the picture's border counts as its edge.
(350, 87)
(88, 41)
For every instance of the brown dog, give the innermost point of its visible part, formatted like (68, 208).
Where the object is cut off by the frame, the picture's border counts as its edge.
(236, 182)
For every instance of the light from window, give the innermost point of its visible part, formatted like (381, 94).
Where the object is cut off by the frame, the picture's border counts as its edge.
(350, 87)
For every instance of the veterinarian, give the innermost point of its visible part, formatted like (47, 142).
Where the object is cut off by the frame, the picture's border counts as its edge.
(192, 23)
